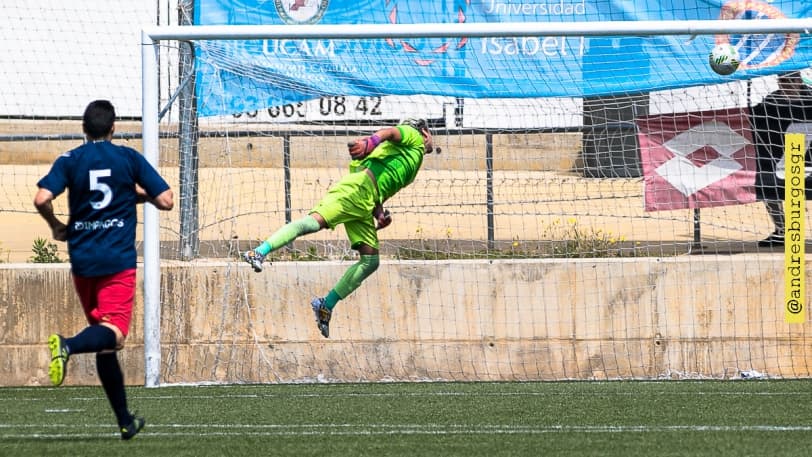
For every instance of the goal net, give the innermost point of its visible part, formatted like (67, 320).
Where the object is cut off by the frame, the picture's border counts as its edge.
(592, 214)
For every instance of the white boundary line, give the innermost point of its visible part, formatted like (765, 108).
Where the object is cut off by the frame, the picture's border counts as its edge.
(425, 394)
(164, 430)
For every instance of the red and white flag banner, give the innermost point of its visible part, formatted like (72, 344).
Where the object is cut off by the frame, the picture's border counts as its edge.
(697, 160)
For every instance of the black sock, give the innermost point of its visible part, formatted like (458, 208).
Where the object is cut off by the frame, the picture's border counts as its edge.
(113, 382)
(94, 338)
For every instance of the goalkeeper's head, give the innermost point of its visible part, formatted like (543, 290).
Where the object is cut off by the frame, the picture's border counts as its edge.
(421, 126)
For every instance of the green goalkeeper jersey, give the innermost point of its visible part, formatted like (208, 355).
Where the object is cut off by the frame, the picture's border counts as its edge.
(395, 165)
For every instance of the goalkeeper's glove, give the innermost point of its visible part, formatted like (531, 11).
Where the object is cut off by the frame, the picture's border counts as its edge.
(383, 218)
(362, 147)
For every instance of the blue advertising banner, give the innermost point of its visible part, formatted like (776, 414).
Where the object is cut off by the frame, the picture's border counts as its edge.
(242, 76)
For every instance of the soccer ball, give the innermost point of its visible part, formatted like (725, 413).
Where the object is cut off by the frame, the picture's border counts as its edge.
(724, 59)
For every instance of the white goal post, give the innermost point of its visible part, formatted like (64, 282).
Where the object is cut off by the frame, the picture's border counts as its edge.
(153, 36)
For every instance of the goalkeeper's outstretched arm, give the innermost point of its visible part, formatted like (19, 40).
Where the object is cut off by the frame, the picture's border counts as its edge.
(362, 147)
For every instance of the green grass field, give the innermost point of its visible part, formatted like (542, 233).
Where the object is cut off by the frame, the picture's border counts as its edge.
(664, 418)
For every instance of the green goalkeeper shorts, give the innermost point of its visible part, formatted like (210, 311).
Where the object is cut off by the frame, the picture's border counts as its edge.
(350, 202)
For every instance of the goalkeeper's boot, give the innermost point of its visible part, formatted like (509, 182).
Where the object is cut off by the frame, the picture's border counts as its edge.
(131, 430)
(323, 315)
(58, 367)
(254, 259)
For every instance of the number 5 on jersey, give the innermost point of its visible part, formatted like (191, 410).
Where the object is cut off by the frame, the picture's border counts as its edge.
(101, 187)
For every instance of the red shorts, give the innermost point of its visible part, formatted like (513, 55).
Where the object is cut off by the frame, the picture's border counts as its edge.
(108, 298)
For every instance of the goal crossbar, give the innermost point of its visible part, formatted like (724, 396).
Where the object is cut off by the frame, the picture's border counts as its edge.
(492, 29)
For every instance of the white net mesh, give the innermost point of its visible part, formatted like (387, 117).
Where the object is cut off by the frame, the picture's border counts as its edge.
(520, 184)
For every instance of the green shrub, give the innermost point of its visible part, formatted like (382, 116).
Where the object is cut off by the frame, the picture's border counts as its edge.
(559, 240)
(45, 252)
(571, 240)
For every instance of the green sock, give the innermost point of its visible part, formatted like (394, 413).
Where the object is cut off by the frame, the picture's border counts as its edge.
(331, 300)
(288, 233)
(263, 248)
(353, 278)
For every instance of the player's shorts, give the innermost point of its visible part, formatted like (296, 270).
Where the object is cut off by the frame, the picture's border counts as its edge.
(350, 202)
(108, 299)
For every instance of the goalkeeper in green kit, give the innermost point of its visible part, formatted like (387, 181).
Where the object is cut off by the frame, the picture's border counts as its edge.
(382, 164)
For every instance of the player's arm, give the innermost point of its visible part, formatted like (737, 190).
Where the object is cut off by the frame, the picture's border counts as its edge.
(362, 147)
(163, 201)
(43, 202)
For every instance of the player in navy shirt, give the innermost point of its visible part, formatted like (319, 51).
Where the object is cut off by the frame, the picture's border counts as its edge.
(104, 183)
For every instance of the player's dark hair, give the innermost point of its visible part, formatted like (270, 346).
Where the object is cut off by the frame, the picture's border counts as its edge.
(98, 120)
(417, 123)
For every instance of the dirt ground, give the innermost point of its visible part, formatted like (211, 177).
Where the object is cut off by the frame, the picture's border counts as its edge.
(241, 195)
(436, 207)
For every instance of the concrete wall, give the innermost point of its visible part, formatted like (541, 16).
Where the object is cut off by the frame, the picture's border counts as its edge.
(689, 316)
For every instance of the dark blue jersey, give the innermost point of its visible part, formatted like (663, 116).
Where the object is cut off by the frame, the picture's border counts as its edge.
(101, 178)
